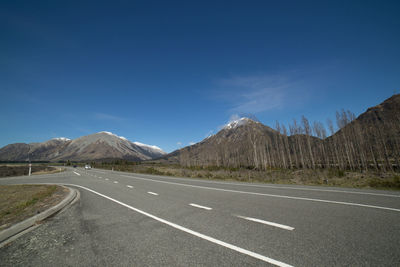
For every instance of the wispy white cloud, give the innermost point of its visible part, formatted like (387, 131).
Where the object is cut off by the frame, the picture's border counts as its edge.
(258, 93)
(191, 143)
(233, 117)
(108, 117)
(210, 132)
(179, 143)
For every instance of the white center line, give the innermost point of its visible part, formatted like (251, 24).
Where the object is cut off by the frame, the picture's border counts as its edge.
(115, 182)
(194, 233)
(201, 207)
(129, 186)
(282, 226)
(77, 173)
(152, 193)
(269, 195)
(107, 179)
(100, 177)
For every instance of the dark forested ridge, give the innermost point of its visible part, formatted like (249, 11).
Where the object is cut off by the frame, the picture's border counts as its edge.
(370, 141)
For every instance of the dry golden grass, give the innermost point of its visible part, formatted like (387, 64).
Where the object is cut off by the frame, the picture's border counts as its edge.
(7, 170)
(324, 177)
(49, 170)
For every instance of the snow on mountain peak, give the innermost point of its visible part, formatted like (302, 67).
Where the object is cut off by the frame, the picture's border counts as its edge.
(238, 122)
(110, 133)
(144, 146)
(62, 139)
(148, 146)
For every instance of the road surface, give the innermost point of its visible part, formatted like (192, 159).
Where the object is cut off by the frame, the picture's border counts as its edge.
(125, 219)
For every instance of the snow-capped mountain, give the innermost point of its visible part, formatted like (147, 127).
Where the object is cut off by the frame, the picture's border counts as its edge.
(98, 146)
(235, 139)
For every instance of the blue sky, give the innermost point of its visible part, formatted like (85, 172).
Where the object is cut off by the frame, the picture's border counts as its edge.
(169, 73)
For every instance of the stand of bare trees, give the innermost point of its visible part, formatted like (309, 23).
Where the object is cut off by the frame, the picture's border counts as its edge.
(354, 146)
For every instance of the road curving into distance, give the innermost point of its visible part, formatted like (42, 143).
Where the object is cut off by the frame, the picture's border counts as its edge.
(135, 219)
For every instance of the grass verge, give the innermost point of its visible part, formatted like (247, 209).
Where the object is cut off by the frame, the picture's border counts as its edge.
(19, 202)
(7, 170)
(320, 177)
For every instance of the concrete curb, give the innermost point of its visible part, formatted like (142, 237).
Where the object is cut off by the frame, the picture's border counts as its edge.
(21, 226)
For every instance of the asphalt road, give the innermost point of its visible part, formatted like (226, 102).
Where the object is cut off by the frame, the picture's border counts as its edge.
(126, 219)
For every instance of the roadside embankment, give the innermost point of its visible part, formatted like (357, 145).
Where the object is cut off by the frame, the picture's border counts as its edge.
(24, 206)
(8, 170)
(319, 177)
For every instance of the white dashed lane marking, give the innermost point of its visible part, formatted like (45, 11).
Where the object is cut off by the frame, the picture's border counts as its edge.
(282, 226)
(192, 232)
(199, 206)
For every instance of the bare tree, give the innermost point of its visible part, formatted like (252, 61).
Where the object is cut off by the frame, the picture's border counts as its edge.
(308, 132)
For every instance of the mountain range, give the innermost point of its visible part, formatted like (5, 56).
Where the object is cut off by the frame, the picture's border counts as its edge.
(99, 146)
(372, 140)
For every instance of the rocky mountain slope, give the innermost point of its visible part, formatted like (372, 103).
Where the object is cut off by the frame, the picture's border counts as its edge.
(370, 141)
(98, 146)
(229, 147)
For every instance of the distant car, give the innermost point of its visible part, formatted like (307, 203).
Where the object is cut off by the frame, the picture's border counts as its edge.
(87, 167)
(75, 166)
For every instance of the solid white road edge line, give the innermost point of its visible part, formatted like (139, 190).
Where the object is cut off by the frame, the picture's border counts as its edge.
(152, 193)
(77, 173)
(189, 231)
(115, 182)
(282, 226)
(201, 207)
(129, 186)
(270, 195)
